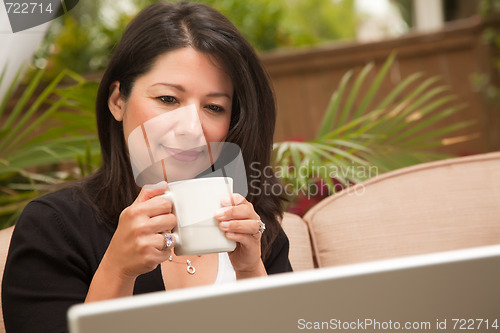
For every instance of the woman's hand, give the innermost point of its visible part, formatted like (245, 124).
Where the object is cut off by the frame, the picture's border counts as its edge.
(137, 246)
(241, 224)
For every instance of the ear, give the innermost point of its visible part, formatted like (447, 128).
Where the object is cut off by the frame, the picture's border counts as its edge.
(116, 103)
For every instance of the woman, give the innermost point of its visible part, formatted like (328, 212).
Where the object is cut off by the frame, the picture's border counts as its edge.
(105, 237)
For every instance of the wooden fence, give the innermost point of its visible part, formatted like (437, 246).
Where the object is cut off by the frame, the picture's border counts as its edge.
(305, 80)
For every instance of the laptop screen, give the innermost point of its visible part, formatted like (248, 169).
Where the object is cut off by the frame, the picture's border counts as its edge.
(448, 291)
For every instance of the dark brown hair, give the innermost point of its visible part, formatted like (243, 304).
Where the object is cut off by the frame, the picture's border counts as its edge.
(160, 28)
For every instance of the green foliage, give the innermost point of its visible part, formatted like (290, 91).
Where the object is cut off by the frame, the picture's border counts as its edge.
(484, 82)
(488, 83)
(48, 126)
(317, 21)
(83, 39)
(489, 7)
(258, 20)
(271, 24)
(357, 141)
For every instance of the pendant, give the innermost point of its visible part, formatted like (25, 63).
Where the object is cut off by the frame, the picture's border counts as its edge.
(190, 269)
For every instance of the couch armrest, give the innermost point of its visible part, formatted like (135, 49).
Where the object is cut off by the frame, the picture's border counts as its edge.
(5, 235)
(301, 255)
(431, 207)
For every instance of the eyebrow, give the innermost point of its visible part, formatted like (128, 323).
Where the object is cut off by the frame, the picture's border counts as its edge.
(182, 89)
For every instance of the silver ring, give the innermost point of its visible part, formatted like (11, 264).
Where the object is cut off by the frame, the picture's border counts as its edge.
(169, 240)
(262, 227)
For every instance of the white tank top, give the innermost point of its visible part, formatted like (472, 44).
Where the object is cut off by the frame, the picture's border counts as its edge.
(226, 271)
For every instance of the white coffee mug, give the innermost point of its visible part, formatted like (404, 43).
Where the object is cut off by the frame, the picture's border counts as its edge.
(194, 204)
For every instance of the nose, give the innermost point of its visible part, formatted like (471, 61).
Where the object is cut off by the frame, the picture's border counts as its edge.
(189, 122)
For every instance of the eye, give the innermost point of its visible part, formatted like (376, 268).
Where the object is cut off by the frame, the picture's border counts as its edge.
(167, 99)
(215, 108)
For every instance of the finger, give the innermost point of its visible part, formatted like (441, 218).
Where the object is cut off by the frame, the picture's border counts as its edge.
(150, 192)
(240, 212)
(158, 206)
(166, 241)
(151, 208)
(162, 223)
(245, 240)
(233, 199)
(251, 227)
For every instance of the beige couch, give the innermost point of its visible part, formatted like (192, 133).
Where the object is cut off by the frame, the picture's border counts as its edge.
(431, 207)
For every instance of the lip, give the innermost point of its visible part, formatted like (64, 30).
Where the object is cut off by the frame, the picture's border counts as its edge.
(182, 155)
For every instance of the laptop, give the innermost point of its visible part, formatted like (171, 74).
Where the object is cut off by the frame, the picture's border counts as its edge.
(448, 291)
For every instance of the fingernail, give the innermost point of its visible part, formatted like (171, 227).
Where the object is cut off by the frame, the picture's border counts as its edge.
(226, 201)
(224, 225)
(221, 211)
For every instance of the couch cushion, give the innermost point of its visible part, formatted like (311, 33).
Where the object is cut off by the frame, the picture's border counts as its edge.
(5, 236)
(437, 206)
(300, 243)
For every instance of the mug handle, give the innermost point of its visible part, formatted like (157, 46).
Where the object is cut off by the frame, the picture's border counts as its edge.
(170, 196)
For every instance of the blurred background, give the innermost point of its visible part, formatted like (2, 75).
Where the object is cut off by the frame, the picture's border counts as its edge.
(359, 84)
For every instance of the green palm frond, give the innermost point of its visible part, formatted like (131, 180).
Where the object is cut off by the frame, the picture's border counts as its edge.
(48, 125)
(358, 135)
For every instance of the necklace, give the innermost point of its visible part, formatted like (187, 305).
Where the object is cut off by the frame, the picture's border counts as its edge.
(190, 268)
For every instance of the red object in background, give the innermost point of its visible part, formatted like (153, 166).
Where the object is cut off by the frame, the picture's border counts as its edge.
(304, 202)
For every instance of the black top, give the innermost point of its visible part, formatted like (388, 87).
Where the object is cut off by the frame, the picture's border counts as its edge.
(55, 250)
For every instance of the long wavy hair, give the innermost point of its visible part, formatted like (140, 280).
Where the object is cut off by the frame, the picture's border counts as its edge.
(164, 27)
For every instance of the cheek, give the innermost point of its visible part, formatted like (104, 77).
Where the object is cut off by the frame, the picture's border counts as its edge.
(216, 129)
(135, 115)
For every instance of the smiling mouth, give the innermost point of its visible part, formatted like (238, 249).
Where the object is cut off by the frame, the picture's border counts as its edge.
(182, 155)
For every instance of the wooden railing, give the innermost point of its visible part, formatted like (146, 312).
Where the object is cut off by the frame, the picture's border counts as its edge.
(305, 80)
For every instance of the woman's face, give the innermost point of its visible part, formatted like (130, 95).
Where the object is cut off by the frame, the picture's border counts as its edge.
(173, 112)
